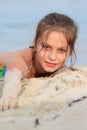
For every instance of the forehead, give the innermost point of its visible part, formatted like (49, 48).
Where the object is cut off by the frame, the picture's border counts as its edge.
(55, 39)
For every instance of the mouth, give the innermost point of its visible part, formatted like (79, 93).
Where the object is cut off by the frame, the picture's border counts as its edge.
(49, 64)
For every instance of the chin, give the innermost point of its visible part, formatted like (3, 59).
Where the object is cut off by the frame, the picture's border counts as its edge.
(50, 70)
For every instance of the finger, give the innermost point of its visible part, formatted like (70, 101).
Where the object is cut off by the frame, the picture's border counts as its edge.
(13, 104)
(1, 104)
(16, 105)
(6, 103)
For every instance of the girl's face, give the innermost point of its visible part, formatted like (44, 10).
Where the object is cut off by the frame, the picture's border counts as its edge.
(51, 53)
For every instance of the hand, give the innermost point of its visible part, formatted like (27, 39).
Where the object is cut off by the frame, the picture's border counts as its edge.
(8, 103)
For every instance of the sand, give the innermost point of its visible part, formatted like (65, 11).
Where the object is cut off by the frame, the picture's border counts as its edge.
(57, 103)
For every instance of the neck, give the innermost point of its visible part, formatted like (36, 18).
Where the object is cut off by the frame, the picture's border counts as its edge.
(42, 74)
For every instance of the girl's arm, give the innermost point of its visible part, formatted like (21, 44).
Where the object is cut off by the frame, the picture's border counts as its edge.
(16, 67)
(12, 83)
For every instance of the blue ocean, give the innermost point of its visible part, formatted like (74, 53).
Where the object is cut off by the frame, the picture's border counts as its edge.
(19, 19)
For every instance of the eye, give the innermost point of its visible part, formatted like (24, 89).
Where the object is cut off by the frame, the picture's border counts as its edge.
(61, 50)
(45, 46)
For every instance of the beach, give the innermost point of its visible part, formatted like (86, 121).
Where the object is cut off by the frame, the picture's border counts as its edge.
(55, 103)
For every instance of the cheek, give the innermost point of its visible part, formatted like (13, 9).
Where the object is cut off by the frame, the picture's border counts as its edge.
(41, 54)
(62, 58)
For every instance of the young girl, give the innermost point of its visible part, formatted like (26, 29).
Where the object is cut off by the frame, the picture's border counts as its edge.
(53, 44)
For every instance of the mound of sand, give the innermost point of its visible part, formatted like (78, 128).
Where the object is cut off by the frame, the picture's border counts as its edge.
(57, 102)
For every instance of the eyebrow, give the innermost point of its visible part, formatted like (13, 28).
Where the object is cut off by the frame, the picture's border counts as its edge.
(63, 47)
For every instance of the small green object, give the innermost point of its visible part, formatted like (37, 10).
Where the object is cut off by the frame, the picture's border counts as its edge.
(2, 70)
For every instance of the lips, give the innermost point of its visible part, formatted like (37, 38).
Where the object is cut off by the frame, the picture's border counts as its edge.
(49, 64)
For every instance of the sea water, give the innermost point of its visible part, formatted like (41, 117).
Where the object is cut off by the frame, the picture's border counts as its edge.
(19, 19)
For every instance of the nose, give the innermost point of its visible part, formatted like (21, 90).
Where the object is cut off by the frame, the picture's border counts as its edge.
(52, 55)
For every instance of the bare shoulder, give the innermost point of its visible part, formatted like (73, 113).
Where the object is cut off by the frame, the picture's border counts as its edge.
(26, 54)
(23, 54)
